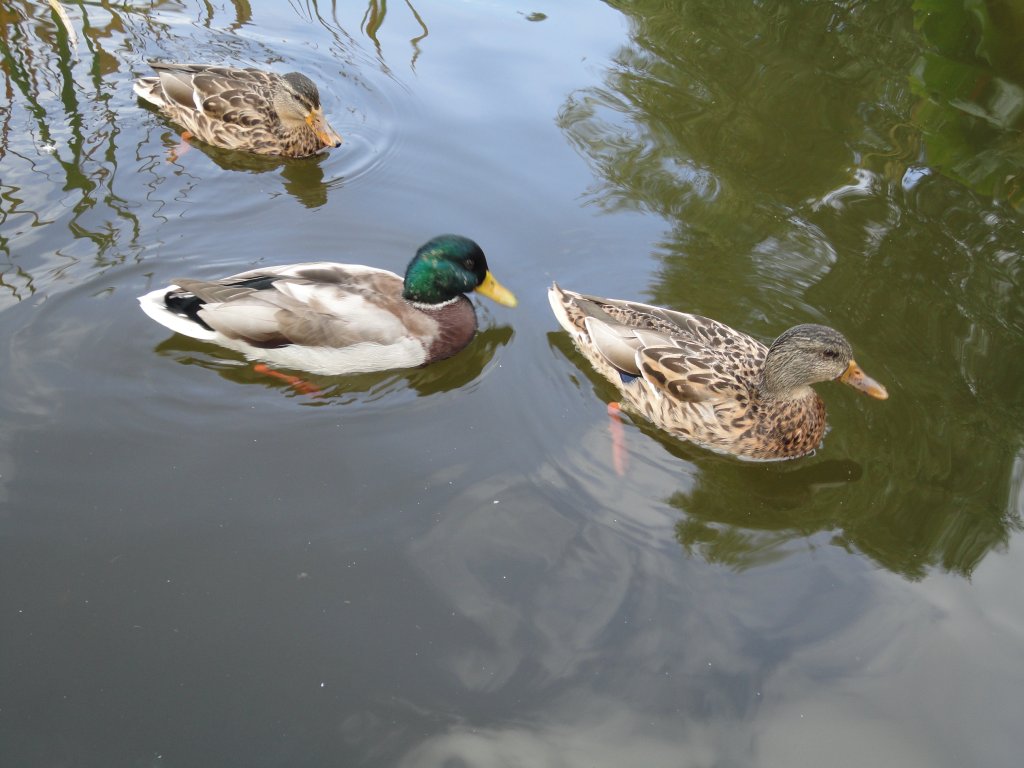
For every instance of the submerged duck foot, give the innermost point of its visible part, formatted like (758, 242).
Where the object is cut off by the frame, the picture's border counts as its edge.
(295, 382)
(181, 148)
(620, 457)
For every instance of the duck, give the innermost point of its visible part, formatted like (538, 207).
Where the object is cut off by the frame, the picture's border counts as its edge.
(702, 381)
(241, 108)
(331, 319)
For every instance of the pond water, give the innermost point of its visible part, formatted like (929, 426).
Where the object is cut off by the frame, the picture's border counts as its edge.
(201, 565)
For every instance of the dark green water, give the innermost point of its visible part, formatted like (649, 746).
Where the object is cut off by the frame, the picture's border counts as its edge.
(200, 566)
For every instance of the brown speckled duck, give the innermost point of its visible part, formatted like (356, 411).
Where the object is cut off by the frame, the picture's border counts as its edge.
(245, 109)
(331, 319)
(705, 382)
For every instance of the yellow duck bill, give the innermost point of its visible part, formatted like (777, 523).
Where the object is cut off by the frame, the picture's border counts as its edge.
(495, 291)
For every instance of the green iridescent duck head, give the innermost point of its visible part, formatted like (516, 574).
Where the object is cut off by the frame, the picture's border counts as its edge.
(448, 266)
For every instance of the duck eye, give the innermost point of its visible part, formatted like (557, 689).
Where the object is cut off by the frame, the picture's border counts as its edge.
(830, 354)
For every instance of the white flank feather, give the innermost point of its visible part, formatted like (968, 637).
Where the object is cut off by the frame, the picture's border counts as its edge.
(250, 318)
(365, 357)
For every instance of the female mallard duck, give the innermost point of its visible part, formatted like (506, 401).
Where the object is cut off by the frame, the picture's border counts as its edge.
(245, 109)
(702, 381)
(331, 319)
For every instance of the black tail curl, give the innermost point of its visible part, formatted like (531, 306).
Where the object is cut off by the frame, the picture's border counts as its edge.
(187, 304)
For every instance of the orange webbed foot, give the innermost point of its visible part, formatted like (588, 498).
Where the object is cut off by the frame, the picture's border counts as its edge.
(182, 147)
(295, 382)
(620, 457)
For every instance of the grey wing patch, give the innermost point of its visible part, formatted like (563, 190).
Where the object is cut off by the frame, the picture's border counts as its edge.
(312, 329)
(617, 344)
(366, 282)
(343, 315)
(214, 292)
(177, 87)
(331, 306)
(251, 319)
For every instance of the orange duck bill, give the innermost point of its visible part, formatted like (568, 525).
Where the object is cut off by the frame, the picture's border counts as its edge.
(856, 378)
(322, 129)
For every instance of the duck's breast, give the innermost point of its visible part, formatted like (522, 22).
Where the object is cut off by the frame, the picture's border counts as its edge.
(456, 326)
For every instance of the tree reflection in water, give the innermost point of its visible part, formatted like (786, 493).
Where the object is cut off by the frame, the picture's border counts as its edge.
(799, 186)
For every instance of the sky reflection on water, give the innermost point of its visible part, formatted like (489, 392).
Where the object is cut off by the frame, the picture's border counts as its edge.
(445, 566)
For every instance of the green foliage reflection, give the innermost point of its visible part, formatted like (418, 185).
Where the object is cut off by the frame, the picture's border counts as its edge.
(823, 161)
(970, 82)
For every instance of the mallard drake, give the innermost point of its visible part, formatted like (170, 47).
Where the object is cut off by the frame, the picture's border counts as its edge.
(245, 109)
(701, 380)
(328, 318)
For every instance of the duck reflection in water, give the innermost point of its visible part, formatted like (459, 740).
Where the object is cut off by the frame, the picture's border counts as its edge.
(302, 178)
(468, 368)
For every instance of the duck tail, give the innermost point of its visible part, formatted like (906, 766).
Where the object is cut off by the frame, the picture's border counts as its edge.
(571, 310)
(560, 302)
(149, 89)
(177, 311)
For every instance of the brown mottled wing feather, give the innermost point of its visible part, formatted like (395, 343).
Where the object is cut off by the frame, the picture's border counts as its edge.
(712, 362)
(229, 107)
(687, 356)
(680, 326)
(699, 377)
(238, 96)
(680, 373)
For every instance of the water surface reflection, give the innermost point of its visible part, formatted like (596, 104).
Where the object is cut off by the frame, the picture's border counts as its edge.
(444, 566)
(455, 373)
(795, 193)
